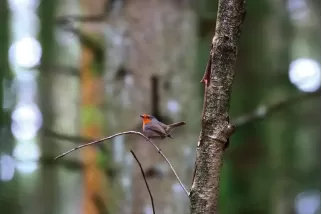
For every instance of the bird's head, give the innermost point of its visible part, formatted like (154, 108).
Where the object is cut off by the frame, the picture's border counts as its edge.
(147, 118)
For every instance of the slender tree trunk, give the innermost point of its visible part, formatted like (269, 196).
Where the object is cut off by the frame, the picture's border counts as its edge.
(216, 129)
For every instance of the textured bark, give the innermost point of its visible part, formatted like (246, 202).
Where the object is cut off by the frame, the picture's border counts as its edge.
(216, 130)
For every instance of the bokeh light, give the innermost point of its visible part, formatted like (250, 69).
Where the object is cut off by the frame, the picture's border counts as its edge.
(26, 121)
(173, 106)
(24, 24)
(25, 52)
(27, 154)
(18, 5)
(26, 151)
(148, 209)
(177, 188)
(7, 167)
(305, 74)
(26, 167)
(298, 9)
(307, 202)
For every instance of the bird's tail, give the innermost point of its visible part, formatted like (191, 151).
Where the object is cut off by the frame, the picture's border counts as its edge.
(170, 127)
(173, 125)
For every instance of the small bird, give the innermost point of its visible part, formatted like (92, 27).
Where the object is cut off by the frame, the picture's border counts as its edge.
(154, 129)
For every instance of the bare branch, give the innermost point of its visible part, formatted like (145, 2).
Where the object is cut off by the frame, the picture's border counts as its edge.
(127, 133)
(264, 111)
(146, 183)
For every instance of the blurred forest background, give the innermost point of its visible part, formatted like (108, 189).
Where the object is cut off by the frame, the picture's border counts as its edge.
(77, 70)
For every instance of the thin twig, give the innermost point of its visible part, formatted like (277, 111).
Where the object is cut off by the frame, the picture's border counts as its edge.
(127, 133)
(264, 111)
(146, 183)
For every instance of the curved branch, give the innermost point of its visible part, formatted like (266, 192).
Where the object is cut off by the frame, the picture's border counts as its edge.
(146, 183)
(127, 133)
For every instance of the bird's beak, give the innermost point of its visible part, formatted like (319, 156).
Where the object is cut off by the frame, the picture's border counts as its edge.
(141, 116)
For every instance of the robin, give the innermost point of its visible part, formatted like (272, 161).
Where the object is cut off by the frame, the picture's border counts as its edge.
(154, 129)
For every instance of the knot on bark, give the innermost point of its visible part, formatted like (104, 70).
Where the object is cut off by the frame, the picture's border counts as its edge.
(224, 134)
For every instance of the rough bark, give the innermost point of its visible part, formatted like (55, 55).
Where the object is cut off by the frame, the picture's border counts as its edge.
(216, 129)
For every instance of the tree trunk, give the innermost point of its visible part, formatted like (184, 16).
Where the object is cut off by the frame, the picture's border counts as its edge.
(216, 129)
(48, 178)
(92, 90)
(58, 95)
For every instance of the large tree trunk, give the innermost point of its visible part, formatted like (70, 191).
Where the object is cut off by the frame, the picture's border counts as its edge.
(58, 94)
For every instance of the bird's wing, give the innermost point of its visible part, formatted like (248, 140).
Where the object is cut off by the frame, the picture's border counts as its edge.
(164, 126)
(156, 128)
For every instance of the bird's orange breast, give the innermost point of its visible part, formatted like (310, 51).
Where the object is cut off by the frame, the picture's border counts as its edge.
(145, 121)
